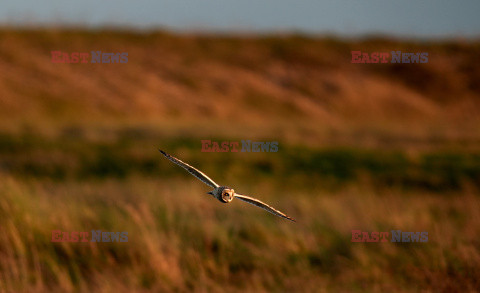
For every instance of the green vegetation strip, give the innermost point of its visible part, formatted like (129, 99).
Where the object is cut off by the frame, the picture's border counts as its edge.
(64, 158)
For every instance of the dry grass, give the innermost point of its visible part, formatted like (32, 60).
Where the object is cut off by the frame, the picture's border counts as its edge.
(240, 83)
(369, 147)
(181, 239)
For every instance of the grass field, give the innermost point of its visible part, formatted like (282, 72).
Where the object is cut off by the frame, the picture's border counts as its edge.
(361, 147)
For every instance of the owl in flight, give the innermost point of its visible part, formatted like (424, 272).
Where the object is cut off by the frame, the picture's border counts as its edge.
(223, 193)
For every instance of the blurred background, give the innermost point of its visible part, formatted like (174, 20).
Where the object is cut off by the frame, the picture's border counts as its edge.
(371, 147)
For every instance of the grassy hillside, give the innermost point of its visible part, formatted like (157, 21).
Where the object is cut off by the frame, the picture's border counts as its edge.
(371, 147)
(299, 88)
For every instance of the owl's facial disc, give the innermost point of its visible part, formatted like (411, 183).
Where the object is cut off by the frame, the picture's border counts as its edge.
(227, 195)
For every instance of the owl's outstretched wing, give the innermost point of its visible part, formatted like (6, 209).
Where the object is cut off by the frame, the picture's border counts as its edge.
(262, 205)
(200, 175)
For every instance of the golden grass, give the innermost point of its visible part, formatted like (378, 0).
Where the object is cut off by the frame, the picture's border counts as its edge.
(181, 239)
(369, 147)
(239, 83)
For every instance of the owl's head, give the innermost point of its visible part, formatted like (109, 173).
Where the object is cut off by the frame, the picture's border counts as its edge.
(223, 194)
(227, 195)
